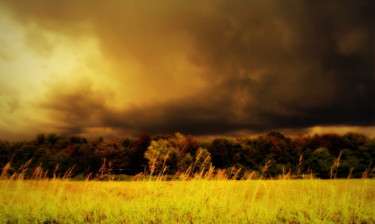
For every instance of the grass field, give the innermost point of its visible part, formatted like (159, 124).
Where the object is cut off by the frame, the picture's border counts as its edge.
(196, 201)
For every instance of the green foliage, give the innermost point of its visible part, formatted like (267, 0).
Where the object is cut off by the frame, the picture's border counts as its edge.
(321, 162)
(157, 154)
(202, 160)
(186, 162)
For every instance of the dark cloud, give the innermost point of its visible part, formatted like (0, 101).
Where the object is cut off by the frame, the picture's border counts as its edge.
(300, 65)
(75, 107)
(309, 78)
(266, 64)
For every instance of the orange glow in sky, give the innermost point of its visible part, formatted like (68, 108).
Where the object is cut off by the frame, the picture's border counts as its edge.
(209, 68)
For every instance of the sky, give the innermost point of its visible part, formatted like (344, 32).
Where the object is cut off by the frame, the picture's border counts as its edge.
(204, 68)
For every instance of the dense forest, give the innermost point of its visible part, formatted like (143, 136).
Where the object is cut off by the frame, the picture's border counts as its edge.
(269, 155)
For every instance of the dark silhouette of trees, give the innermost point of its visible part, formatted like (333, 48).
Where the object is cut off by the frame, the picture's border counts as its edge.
(321, 155)
(139, 162)
(222, 152)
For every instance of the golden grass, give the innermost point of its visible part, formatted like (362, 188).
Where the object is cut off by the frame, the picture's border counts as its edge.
(195, 201)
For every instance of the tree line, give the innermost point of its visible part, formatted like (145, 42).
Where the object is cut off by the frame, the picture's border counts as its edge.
(271, 155)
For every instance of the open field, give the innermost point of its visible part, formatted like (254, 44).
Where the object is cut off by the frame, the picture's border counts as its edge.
(196, 201)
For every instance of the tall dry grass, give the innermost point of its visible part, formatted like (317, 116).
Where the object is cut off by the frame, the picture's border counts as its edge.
(202, 199)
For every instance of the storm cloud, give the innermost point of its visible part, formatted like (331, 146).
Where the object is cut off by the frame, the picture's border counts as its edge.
(209, 68)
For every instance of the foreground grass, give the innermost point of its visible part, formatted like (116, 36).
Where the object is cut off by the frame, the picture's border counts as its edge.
(197, 201)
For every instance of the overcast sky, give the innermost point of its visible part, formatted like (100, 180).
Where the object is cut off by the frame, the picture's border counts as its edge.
(205, 68)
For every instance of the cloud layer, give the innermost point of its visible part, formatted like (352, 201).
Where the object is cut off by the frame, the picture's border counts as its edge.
(206, 68)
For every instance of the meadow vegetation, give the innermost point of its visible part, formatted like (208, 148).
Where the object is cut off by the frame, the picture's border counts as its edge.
(194, 201)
